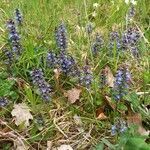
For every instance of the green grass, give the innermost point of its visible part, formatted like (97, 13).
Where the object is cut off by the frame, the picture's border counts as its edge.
(40, 17)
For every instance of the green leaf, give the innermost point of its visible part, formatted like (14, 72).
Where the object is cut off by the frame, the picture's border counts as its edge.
(99, 146)
(122, 107)
(106, 142)
(133, 98)
(136, 143)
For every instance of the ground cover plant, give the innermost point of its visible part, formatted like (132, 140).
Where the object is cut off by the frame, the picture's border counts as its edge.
(74, 75)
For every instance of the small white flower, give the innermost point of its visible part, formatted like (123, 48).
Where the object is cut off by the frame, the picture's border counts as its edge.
(113, 2)
(127, 2)
(117, 8)
(95, 5)
(94, 14)
(134, 2)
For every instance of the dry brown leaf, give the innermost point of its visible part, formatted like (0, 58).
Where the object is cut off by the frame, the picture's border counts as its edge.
(22, 113)
(136, 118)
(65, 147)
(49, 145)
(73, 95)
(110, 77)
(19, 144)
(100, 114)
(21, 83)
(112, 104)
(109, 102)
(142, 131)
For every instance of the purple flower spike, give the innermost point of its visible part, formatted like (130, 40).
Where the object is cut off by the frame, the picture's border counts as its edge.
(3, 101)
(18, 17)
(61, 37)
(14, 37)
(66, 63)
(51, 59)
(113, 130)
(89, 28)
(120, 126)
(131, 13)
(8, 57)
(121, 83)
(130, 41)
(97, 44)
(114, 40)
(86, 77)
(39, 81)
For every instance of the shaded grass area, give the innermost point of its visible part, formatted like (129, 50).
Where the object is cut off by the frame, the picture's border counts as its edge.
(55, 121)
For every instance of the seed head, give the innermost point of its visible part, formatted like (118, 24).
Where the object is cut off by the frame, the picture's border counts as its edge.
(103, 79)
(97, 44)
(89, 28)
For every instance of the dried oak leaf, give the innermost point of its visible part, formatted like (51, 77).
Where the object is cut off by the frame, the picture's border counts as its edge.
(100, 114)
(22, 113)
(73, 95)
(109, 102)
